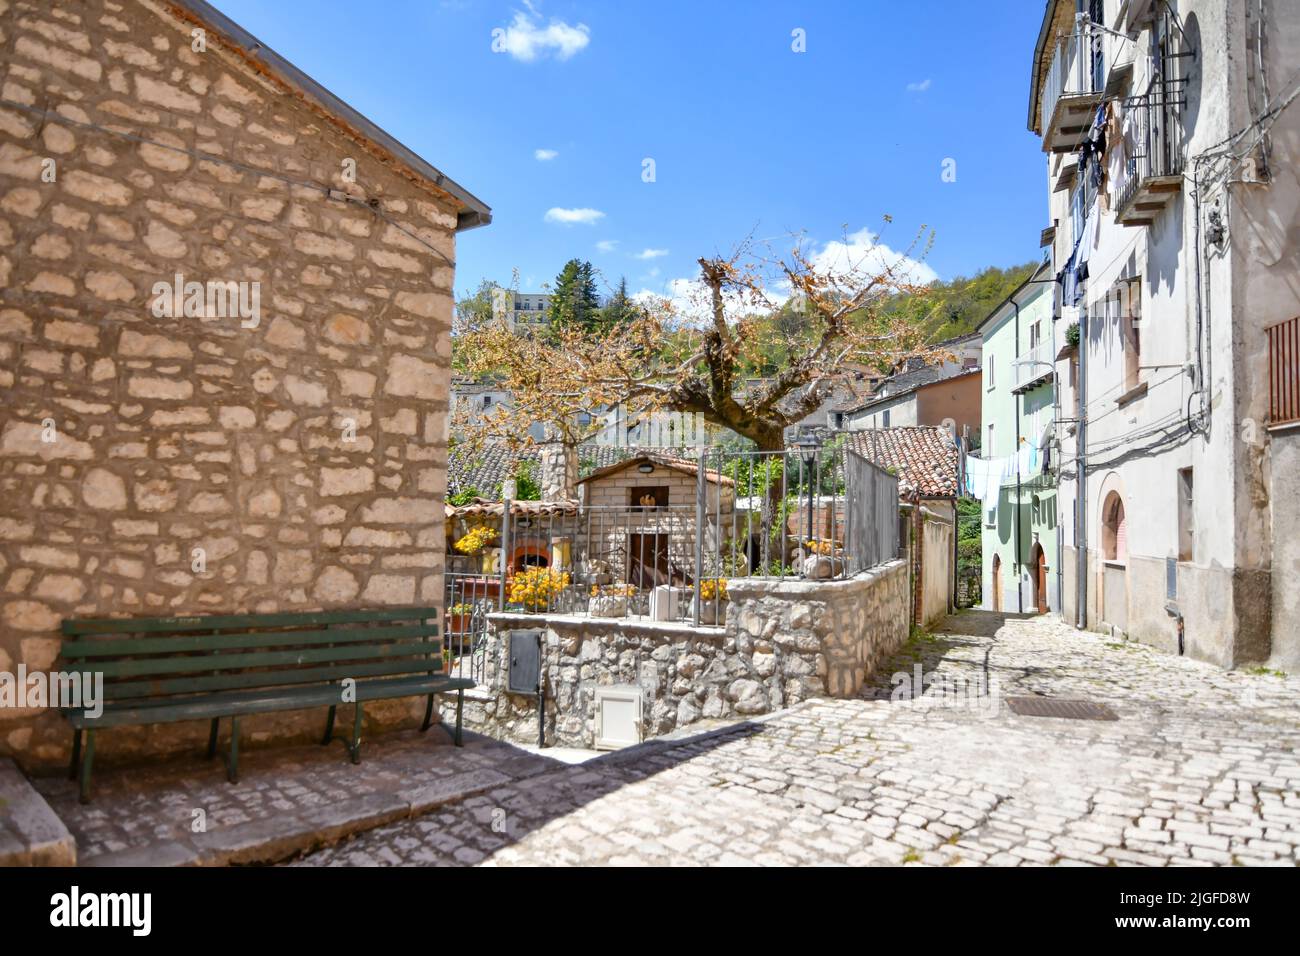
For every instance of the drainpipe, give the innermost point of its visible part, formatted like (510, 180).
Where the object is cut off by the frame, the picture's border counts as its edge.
(1080, 481)
(1020, 567)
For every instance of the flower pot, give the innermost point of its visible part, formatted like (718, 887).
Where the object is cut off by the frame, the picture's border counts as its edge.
(608, 605)
(711, 612)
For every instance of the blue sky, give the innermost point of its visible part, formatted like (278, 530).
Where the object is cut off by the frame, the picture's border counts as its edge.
(746, 134)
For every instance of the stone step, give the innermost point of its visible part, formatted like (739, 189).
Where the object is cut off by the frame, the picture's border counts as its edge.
(30, 833)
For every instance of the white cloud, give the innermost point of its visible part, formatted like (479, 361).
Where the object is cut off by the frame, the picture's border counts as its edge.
(569, 217)
(650, 254)
(607, 245)
(920, 87)
(542, 155)
(527, 40)
(861, 250)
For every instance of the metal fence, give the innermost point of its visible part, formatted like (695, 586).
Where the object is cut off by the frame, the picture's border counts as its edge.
(689, 526)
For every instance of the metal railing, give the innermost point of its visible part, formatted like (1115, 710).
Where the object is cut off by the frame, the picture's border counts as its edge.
(1078, 67)
(468, 598)
(1284, 372)
(816, 512)
(1034, 364)
(1151, 141)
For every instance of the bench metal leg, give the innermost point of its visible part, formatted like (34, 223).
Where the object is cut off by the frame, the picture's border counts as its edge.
(428, 715)
(76, 755)
(354, 748)
(87, 762)
(460, 707)
(329, 727)
(232, 762)
(212, 737)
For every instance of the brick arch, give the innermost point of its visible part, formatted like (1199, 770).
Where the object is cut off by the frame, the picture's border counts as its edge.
(530, 552)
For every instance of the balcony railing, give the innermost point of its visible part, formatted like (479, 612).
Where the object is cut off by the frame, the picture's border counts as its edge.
(1284, 372)
(1152, 171)
(1073, 87)
(1033, 365)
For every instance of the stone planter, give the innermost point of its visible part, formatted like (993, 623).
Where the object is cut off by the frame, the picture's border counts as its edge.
(666, 602)
(608, 605)
(711, 612)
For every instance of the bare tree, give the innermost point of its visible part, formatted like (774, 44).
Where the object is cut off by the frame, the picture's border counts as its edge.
(699, 355)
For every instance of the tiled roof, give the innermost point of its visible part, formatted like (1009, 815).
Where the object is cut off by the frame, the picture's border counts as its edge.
(484, 469)
(684, 465)
(924, 457)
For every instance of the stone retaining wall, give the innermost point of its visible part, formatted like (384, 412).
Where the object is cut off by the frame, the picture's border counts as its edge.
(783, 642)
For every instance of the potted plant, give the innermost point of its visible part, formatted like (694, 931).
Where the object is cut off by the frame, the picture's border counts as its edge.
(610, 600)
(713, 601)
(535, 588)
(475, 540)
(458, 618)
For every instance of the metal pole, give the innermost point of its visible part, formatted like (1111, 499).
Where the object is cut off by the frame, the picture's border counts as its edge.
(1080, 482)
(505, 551)
(701, 460)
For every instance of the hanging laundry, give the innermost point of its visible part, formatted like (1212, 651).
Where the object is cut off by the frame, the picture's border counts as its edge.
(984, 479)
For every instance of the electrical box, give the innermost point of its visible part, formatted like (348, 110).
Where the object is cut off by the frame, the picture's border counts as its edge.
(618, 716)
(525, 649)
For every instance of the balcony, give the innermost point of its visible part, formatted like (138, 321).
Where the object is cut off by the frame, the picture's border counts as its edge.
(1034, 367)
(1073, 87)
(1152, 172)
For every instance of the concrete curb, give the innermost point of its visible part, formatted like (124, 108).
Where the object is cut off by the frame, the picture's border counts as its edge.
(30, 832)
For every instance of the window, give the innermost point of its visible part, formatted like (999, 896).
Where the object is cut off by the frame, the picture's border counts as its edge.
(648, 496)
(1114, 533)
(487, 400)
(885, 418)
(1128, 303)
(992, 365)
(1186, 516)
(988, 448)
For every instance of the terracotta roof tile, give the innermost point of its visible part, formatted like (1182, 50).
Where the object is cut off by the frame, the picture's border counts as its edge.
(924, 457)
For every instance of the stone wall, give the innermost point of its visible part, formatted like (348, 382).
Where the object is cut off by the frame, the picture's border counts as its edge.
(783, 642)
(303, 455)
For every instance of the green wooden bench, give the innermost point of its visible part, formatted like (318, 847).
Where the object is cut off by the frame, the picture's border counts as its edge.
(162, 670)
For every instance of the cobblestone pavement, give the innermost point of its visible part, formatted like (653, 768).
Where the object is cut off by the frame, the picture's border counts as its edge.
(184, 811)
(1200, 768)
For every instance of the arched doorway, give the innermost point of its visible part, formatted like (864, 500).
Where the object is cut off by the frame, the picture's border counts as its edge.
(1114, 562)
(997, 582)
(1038, 568)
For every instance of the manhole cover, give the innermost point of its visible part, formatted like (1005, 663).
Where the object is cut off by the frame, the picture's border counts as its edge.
(1058, 707)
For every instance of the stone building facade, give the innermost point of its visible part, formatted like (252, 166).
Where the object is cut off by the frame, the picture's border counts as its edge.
(160, 459)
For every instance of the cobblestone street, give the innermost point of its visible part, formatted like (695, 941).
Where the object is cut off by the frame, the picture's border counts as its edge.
(1200, 768)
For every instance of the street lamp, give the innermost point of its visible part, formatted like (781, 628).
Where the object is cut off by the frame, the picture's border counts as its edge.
(809, 446)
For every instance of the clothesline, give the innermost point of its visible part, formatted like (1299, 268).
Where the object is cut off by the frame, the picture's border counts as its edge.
(985, 476)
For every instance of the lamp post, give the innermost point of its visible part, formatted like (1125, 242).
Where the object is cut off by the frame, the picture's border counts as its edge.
(809, 446)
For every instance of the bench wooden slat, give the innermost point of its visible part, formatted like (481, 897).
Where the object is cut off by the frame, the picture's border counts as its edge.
(123, 646)
(229, 705)
(187, 685)
(188, 664)
(126, 625)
